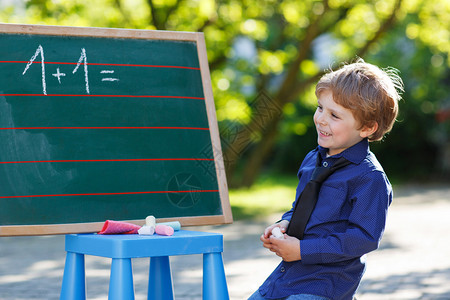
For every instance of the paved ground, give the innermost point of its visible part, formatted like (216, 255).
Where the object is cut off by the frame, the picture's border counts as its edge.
(413, 261)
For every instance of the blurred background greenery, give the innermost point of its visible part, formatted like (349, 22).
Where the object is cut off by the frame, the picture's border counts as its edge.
(265, 57)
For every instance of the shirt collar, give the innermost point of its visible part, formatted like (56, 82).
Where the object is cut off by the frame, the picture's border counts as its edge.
(355, 153)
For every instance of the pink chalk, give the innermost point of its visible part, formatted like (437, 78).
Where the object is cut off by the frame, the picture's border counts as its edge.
(164, 230)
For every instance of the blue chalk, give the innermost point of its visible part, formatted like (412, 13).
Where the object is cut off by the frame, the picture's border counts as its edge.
(175, 225)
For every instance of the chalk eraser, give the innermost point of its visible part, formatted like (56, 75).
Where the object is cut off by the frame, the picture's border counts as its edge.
(175, 225)
(276, 232)
(150, 221)
(164, 230)
(146, 230)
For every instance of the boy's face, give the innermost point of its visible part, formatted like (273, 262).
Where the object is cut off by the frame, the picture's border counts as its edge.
(337, 129)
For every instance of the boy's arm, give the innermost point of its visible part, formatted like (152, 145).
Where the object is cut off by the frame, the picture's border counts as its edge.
(288, 215)
(366, 225)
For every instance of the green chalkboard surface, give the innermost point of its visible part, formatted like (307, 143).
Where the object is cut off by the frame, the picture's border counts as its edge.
(106, 124)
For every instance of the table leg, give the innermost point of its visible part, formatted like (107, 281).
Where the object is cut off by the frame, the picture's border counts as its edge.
(160, 279)
(121, 280)
(74, 279)
(214, 280)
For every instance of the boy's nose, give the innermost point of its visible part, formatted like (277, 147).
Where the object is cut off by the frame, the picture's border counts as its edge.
(321, 120)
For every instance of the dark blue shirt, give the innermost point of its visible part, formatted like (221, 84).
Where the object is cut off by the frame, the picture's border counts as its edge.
(347, 222)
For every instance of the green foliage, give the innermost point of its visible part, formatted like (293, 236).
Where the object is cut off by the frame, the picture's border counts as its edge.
(272, 193)
(283, 47)
(414, 148)
(417, 137)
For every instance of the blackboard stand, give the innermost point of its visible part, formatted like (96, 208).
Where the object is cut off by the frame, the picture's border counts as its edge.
(122, 248)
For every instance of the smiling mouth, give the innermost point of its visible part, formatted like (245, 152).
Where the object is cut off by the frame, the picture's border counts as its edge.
(324, 133)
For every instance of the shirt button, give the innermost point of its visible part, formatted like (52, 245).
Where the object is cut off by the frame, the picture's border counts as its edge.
(325, 164)
(282, 269)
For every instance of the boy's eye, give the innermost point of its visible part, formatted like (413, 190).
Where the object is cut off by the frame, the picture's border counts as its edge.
(319, 107)
(334, 116)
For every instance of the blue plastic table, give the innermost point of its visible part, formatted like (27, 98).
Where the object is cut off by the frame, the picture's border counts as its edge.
(121, 248)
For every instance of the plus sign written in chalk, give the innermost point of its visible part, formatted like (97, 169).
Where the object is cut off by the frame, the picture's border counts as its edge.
(58, 75)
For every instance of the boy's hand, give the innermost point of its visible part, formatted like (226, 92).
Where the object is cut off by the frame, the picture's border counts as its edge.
(268, 232)
(265, 237)
(288, 248)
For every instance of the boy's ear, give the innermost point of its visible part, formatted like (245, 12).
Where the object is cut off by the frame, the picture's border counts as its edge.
(368, 130)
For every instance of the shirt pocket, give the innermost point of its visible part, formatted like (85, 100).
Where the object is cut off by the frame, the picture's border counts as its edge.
(330, 206)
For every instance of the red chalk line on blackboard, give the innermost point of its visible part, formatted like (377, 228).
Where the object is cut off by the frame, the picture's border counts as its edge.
(106, 160)
(110, 194)
(100, 64)
(105, 127)
(113, 96)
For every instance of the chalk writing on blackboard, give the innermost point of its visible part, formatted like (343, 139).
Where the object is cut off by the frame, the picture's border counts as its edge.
(39, 50)
(108, 78)
(58, 75)
(82, 61)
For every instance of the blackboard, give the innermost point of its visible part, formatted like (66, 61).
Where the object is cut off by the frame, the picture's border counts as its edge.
(106, 124)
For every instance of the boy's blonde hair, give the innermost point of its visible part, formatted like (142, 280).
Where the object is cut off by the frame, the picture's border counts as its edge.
(370, 93)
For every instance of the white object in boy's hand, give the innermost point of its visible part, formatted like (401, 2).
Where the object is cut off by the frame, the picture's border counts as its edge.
(276, 232)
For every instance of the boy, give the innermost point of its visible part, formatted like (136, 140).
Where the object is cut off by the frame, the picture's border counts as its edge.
(325, 260)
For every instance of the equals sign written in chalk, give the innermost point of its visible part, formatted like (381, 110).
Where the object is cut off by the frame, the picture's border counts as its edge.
(108, 78)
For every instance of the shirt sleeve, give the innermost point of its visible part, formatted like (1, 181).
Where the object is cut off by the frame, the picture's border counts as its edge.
(371, 199)
(288, 215)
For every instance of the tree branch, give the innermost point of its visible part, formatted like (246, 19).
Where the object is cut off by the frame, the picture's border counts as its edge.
(153, 13)
(207, 23)
(170, 10)
(124, 14)
(215, 64)
(303, 48)
(388, 23)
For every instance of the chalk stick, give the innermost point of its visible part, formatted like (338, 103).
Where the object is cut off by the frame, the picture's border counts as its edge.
(150, 221)
(276, 232)
(164, 230)
(175, 225)
(146, 230)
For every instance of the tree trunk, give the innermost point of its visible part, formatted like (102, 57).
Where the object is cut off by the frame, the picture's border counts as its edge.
(259, 155)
